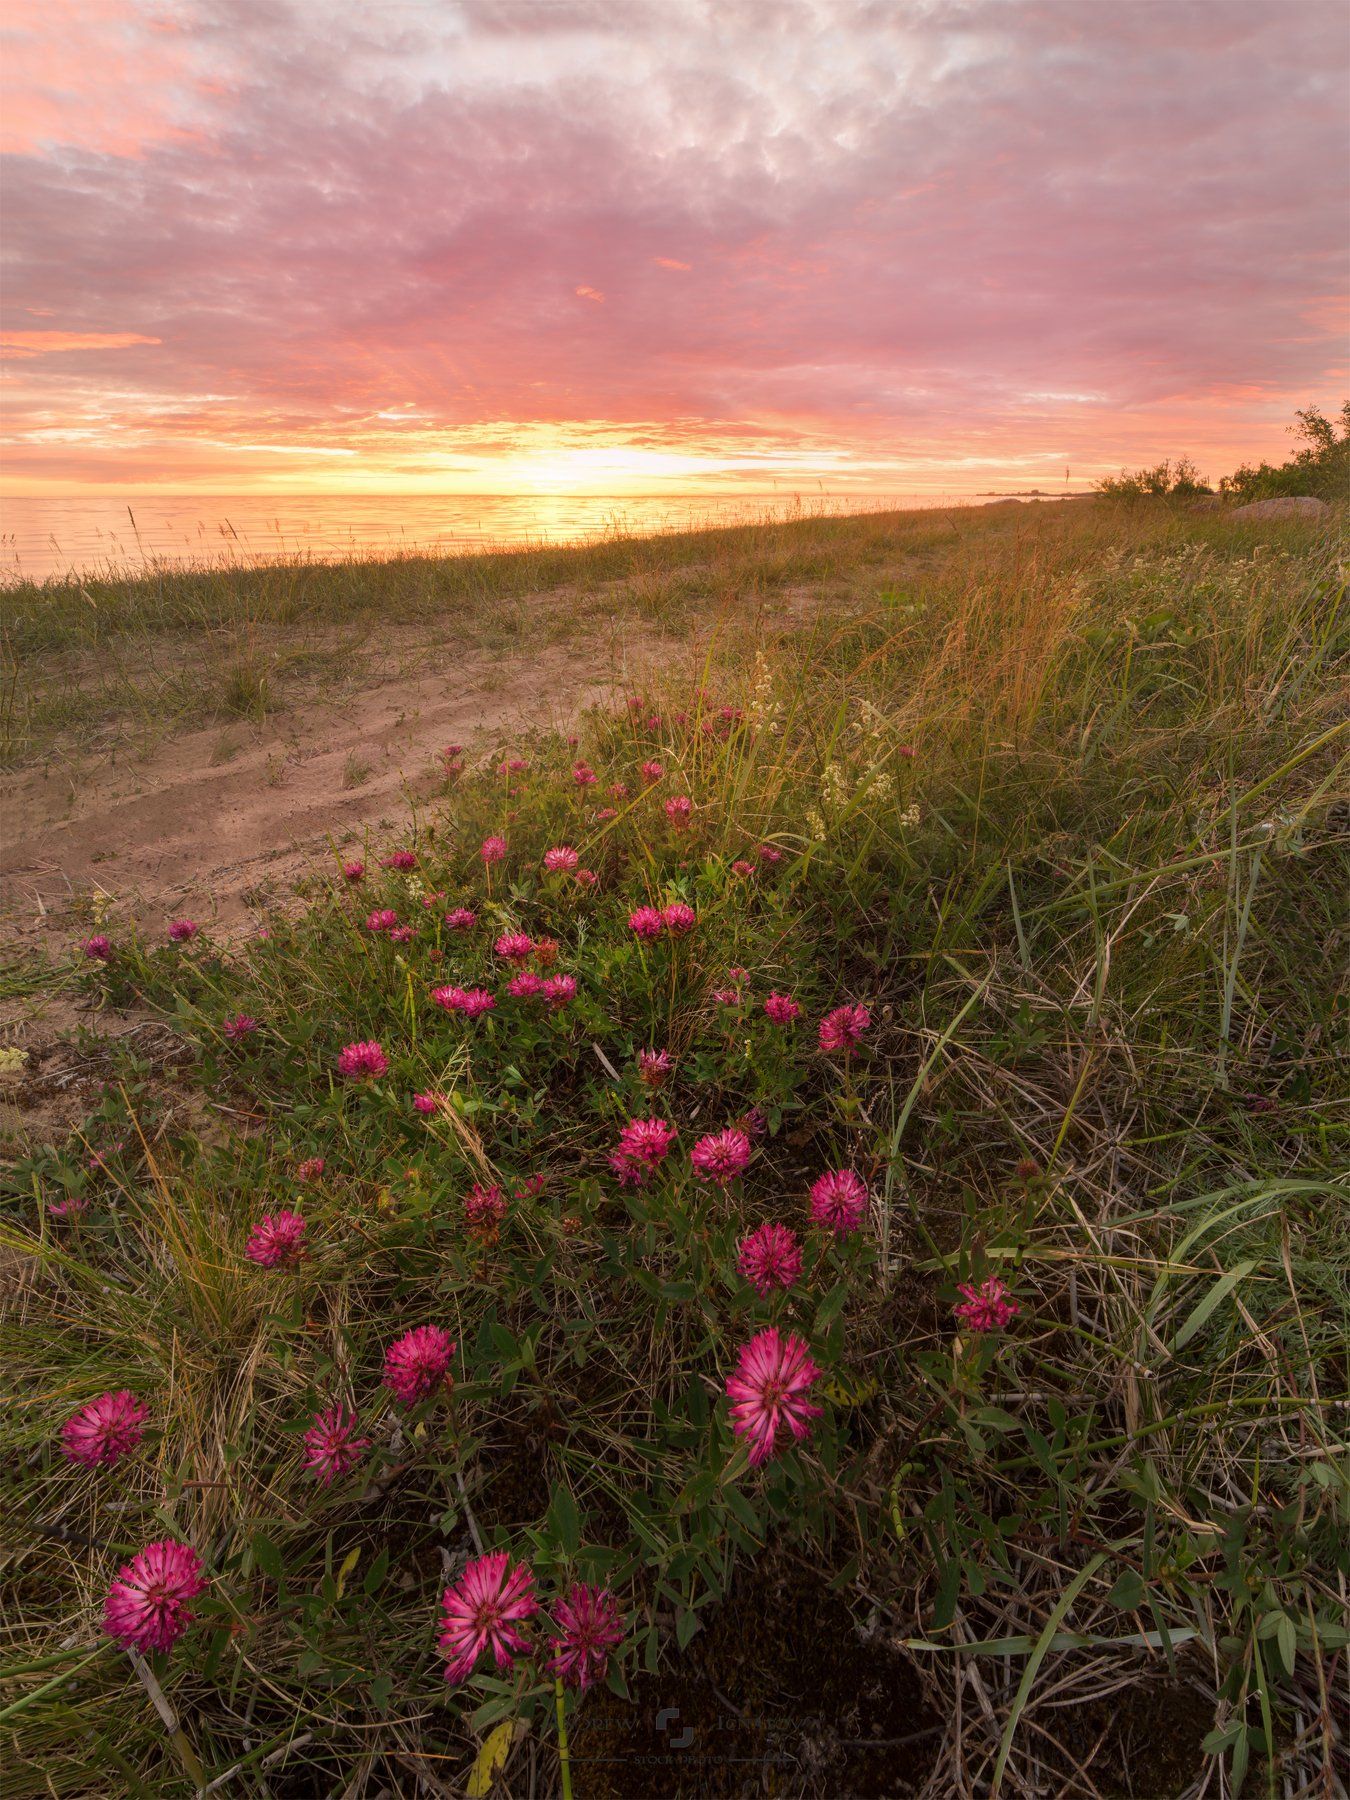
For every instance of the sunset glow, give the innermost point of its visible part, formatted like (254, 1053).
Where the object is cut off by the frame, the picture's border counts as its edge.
(497, 246)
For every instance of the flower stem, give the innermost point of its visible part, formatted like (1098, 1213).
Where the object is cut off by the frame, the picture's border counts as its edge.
(565, 1762)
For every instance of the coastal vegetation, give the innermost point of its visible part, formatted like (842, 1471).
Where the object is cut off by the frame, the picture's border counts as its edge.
(1319, 469)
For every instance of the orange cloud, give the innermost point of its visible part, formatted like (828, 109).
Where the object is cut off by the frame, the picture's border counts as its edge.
(669, 262)
(590, 293)
(17, 346)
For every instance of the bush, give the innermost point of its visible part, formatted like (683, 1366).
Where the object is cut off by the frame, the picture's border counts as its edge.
(1321, 468)
(1166, 481)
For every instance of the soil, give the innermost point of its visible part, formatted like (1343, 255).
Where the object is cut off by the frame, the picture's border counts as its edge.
(226, 818)
(778, 1695)
(513, 1486)
(70, 1064)
(1142, 1743)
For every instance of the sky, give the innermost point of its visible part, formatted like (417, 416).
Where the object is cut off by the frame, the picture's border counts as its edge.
(648, 246)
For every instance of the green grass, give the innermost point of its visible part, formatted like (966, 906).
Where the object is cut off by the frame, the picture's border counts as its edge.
(1056, 798)
(90, 666)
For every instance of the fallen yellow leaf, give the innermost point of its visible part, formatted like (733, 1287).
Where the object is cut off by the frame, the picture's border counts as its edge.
(496, 1748)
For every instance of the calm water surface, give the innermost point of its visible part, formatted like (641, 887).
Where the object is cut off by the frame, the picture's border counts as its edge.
(40, 538)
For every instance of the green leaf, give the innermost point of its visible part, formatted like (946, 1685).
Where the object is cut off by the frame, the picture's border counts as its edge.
(737, 1503)
(978, 1448)
(831, 1306)
(948, 1593)
(1218, 1293)
(501, 1706)
(266, 1555)
(699, 1491)
(649, 1537)
(995, 1417)
(1220, 1740)
(1242, 1749)
(565, 1520)
(1037, 1657)
(1040, 1449)
(219, 1639)
(1127, 1593)
(1286, 1638)
(1142, 1479)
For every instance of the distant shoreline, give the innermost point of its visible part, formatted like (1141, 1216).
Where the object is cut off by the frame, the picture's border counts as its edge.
(109, 537)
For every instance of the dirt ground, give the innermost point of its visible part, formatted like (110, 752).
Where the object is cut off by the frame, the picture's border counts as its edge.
(213, 822)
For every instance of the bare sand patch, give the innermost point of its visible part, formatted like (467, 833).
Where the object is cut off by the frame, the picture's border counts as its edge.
(222, 816)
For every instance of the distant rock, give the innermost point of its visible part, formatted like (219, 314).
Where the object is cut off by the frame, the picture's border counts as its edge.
(1288, 506)
(1205, 503)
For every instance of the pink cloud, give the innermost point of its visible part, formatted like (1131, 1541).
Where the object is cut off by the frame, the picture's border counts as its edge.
(103, 74)
(984, 238)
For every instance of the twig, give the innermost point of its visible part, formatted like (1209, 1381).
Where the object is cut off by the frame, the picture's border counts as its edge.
(177, 1736)
(469, 1519)
(269, 1761)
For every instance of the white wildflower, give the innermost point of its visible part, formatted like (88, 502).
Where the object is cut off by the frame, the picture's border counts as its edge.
(762, 711)
(834, 786)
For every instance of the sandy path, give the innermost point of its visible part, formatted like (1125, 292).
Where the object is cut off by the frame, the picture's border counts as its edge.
(177, 831)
